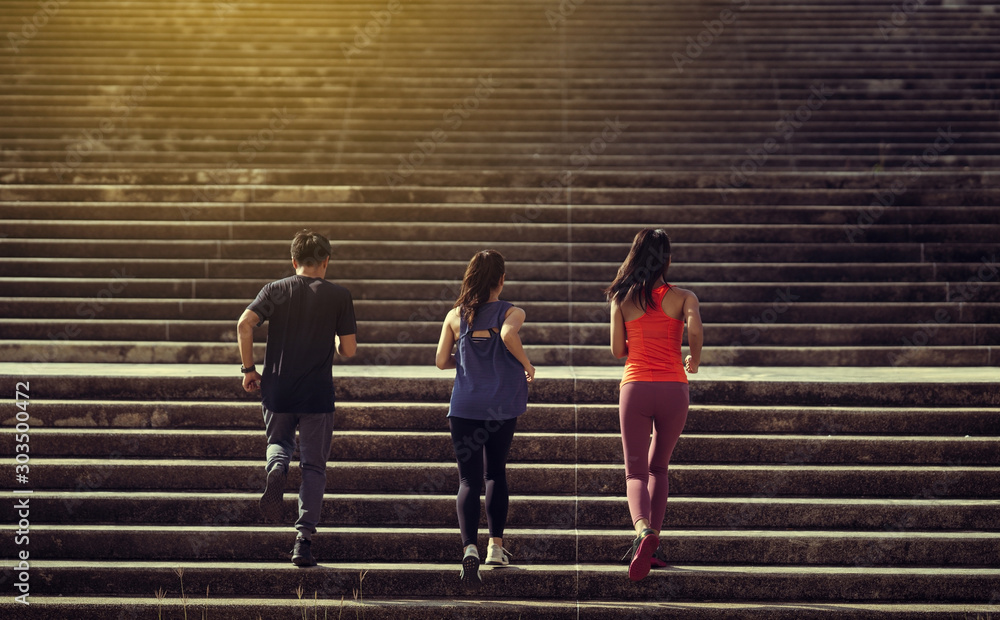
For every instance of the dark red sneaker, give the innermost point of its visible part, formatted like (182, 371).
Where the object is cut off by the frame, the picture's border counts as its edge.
(645, 545)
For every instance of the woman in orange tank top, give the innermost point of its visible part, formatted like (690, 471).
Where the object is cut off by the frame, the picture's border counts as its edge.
(648, 317)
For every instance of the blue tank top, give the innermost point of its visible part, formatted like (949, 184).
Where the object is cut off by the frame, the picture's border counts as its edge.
(489, 381)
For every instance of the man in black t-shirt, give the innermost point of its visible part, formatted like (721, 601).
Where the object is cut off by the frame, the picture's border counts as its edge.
(309, 319)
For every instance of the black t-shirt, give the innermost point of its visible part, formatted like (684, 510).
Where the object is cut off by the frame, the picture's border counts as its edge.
(305, 314)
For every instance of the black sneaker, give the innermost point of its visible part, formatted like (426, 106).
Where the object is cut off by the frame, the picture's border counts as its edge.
(302, 553)
(659, 559)
(272, 502)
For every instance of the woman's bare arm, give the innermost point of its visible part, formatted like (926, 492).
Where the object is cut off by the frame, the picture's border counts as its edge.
(512, 339)
(619, 347)
(692, 317)
(445, 358)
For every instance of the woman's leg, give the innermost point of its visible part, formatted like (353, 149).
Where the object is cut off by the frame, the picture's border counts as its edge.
(635, 410)
(497, 495)
(469, 454)
(668, 422)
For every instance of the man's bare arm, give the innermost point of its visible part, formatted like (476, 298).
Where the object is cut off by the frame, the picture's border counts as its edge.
(347, 345)
(244, 337)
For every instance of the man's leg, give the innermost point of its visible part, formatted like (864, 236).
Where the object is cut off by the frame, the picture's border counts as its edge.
(280, 431)
(315, 437)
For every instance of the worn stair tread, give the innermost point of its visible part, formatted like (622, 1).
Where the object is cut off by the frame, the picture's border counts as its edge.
(430, 507)
(225, 541)
(195, 433)
(100, 607)
(581, 448)
(568, 568)
(514, 533)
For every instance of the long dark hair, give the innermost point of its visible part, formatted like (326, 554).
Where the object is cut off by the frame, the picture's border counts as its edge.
(481, 277)
(646, 261)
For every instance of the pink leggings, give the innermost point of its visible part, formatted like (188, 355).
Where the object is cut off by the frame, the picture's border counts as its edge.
(663, 407)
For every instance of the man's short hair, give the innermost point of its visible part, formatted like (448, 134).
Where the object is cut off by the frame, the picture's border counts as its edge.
(310, 248)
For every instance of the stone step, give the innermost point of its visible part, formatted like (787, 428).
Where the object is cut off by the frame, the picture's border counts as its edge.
(370, 134)
(502, 214)
(581, 233)
(428, 507)
(776, 386)
(546, 150)
(851, 117)
(98, 304)
(985, 291)
(126, 471)
(382, 333)
(585, 582)
(511, 81)
(199, 53)
(223, 542)
(378, 135)
(931, 253)
(719, 162)
(524, 229)
(229, 192)
(530, 447)
(303, 174)
(157, 268)
(100, 608)
(861, 108)
(411, 416)
(390, 353)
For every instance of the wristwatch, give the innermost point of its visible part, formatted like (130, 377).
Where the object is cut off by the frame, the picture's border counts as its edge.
(252, 368)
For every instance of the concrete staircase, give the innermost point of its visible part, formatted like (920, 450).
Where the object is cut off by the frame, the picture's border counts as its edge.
(826, 170)
(800, 508)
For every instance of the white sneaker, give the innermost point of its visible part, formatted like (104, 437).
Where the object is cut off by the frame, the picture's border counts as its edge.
(497, 555)
(470, 576)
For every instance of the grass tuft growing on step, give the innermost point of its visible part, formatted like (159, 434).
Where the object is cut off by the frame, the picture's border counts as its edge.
(359, 596)
(179, 571)
(160, 595)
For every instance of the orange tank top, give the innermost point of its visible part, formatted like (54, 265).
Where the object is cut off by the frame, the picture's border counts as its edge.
(654, 345)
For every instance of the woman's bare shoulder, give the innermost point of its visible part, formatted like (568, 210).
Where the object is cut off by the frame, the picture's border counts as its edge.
(686, 293)
(511, 310)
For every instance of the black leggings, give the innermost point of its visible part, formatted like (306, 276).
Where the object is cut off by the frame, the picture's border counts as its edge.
(477, 442)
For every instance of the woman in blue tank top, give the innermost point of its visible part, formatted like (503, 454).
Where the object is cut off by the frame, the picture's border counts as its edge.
(480, 340)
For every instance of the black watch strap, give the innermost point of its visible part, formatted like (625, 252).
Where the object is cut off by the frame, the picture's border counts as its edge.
(252, 368)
